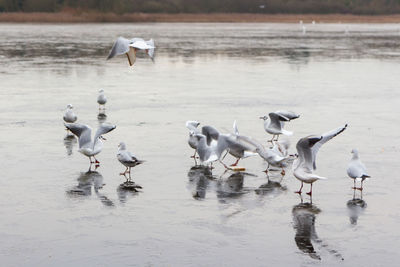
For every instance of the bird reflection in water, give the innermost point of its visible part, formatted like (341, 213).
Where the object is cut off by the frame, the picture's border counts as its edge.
(304, 215)
(272, 187)
(355, 207)
(199, 179)
(102, 117)
(304, 224)
(125, 194)
(231, 187)
(69, 142)
(86, 181)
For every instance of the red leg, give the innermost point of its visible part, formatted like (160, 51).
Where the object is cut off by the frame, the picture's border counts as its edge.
(299, 192)
(310, 193)
(96, 160)
(237, 161)
(194, 155)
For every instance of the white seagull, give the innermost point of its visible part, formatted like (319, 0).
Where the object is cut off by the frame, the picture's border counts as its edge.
(129, 47)
(101, 99)
(273, 156)
(274, 122)
(88, 146)
(127, 159)
(192, 126)
(307, 149)
(69, 115)
(356, 169)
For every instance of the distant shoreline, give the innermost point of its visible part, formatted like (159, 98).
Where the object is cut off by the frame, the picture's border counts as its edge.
(95, 17)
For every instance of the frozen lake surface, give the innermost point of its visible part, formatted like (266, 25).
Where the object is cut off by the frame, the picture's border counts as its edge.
(55, 213)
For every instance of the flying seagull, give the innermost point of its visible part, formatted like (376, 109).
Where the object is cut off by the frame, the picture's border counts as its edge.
(130, 47)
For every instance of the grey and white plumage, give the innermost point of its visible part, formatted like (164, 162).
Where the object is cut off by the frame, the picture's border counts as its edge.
(127, 159)
(88, 146)
(192, 126)
(129, 47)
(272, 156)
(356, 169)
(307, 149)
(101, 98)
(230, 143)
(69, 115)
(274, 122)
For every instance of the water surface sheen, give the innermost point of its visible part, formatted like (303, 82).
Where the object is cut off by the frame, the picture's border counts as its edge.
(55, 213)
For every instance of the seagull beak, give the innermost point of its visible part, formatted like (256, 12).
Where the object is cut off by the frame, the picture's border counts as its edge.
(101, 137)
(262, 118)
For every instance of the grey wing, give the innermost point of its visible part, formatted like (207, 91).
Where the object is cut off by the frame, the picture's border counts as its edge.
(210, 133)
(259, 148)
(235, 128)
(121, 46)
(83, 132)
(103, 129)
(234, 145)
(287, 114)
(305, 152)
(276, 120)
(150, 52)
(325, 138)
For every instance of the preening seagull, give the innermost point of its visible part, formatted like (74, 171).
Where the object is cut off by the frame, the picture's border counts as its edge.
(356, 169)
(127, 159)
(274, 122)
(307, 149)
(88, 146)
(192, 126)
(129, 47)
(101, 99)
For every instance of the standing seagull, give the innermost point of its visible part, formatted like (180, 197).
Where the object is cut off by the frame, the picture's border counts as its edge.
(356, 169)
(274, 122)
(87, 146)
(129, 47)
(69, 116)
(101, 99)
(307, 149)
(127, 159)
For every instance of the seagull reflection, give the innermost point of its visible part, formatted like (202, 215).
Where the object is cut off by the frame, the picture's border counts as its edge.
(304, 224)
(86, 181)
(355, 207)
(199, 179)
(69, 143)
(124, 194)
(231, 187)
(304, 215)
(102, 117)
(273, 188)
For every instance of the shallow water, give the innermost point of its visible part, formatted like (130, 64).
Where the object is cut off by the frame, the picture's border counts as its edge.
(55, 213)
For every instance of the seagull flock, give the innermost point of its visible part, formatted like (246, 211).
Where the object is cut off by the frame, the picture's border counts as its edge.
(210, 145)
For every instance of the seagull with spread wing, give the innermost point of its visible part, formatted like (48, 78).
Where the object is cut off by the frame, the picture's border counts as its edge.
(88, 146)
(130, 47)
(275, 121)
(307, 149)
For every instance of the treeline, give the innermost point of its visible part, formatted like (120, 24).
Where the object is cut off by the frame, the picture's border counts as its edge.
(364, 7)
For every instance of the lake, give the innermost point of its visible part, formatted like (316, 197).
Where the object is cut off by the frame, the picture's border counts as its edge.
(56, 213)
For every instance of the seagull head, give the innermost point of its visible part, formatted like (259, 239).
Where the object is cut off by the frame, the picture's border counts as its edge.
(122, 146)
(69, 106)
